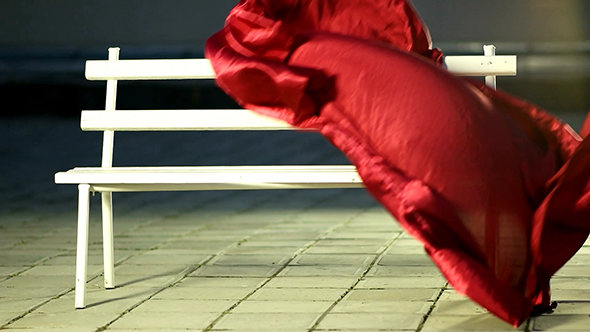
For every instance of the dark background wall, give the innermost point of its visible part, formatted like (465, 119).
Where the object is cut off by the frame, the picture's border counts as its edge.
(43, 45)
(177, 22)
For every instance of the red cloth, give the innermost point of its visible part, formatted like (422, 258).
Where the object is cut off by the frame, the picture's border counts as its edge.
(496, 188)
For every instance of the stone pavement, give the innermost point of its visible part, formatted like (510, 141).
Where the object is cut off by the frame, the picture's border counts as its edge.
(299, 260)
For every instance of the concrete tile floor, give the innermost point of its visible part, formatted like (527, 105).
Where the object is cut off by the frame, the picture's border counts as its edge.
(309, 260)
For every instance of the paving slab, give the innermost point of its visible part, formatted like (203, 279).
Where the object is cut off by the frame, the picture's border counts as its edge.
(298, 294)
(282, 306)
(572, 322)
(236, 271)
(370, 321)
(312, 282)
(319, 271)
(401, 282)
(69, 320)
(164, 321)
(198, 293)
(394, 306)
(408, 294)
(188, 307)
(266, 321)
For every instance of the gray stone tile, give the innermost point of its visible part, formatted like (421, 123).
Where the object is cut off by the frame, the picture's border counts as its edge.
(570, 283)
(31, 293)
(60, 270)
(297, 294)
(409, 294)
(18, 304)
(405, 260)
(138, 281)
(282, 306)
(572, 307)
(189, 307)
(113, 304)
(377, 236)
(237, 260)
(239, 250)
(10, 270)
(351, 242)
(573, 271)
(459, 307)
(163, 321)
(7, 316)
(209, 247)
(397, 249)
(337, 259)
(70, 320)
(344, 249)
(312, 282)
(190, 293)
(38, 281)
(166, 259)
(404, 271)
(408, 307)
(401, 282)
(370, 321)
(482, 322)
(321, 271)
(223, 282)
(266, 321)
(277, 243)
(235, 271)
(570, 294)
(151, 270)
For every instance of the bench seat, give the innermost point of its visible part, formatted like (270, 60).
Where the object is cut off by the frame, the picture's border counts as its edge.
(117, 179)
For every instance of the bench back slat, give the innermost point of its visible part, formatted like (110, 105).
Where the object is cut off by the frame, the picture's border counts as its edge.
(99, 70)
(179, 120)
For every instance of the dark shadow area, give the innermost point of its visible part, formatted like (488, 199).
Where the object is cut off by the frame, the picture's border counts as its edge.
(67, 100)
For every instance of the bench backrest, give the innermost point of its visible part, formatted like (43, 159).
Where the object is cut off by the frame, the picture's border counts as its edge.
(112, 70)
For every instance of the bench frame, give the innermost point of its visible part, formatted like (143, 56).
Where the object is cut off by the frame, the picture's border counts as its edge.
(108, 179)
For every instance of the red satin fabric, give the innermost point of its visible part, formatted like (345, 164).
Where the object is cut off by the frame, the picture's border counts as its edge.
(496, 189)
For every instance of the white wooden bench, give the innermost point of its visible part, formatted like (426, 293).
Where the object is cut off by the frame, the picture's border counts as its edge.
(108, 179)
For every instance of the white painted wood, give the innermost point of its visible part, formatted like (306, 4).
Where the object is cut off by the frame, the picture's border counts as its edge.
(82, 245)
(490, 51)
(218, 177)
(162, 69)
(199, 120)
(108, 244)
(100, 70)
(500, 65)
(110, 106)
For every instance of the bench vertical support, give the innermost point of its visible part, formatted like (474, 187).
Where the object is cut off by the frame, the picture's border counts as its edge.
(490, 50)
(107, 197)
(82, 244)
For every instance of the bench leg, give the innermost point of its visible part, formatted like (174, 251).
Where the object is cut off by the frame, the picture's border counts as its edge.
(107, 240)
(82, 250)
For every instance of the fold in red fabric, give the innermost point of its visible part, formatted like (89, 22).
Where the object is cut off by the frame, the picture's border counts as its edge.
(496, 189)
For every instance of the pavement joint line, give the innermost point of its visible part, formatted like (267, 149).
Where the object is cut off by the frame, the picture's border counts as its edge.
(284, 266)
(380, 253)
(431, 309)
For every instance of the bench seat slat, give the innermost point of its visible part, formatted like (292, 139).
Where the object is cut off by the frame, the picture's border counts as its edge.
(212, 177)
(177, 69)
(178, 120)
